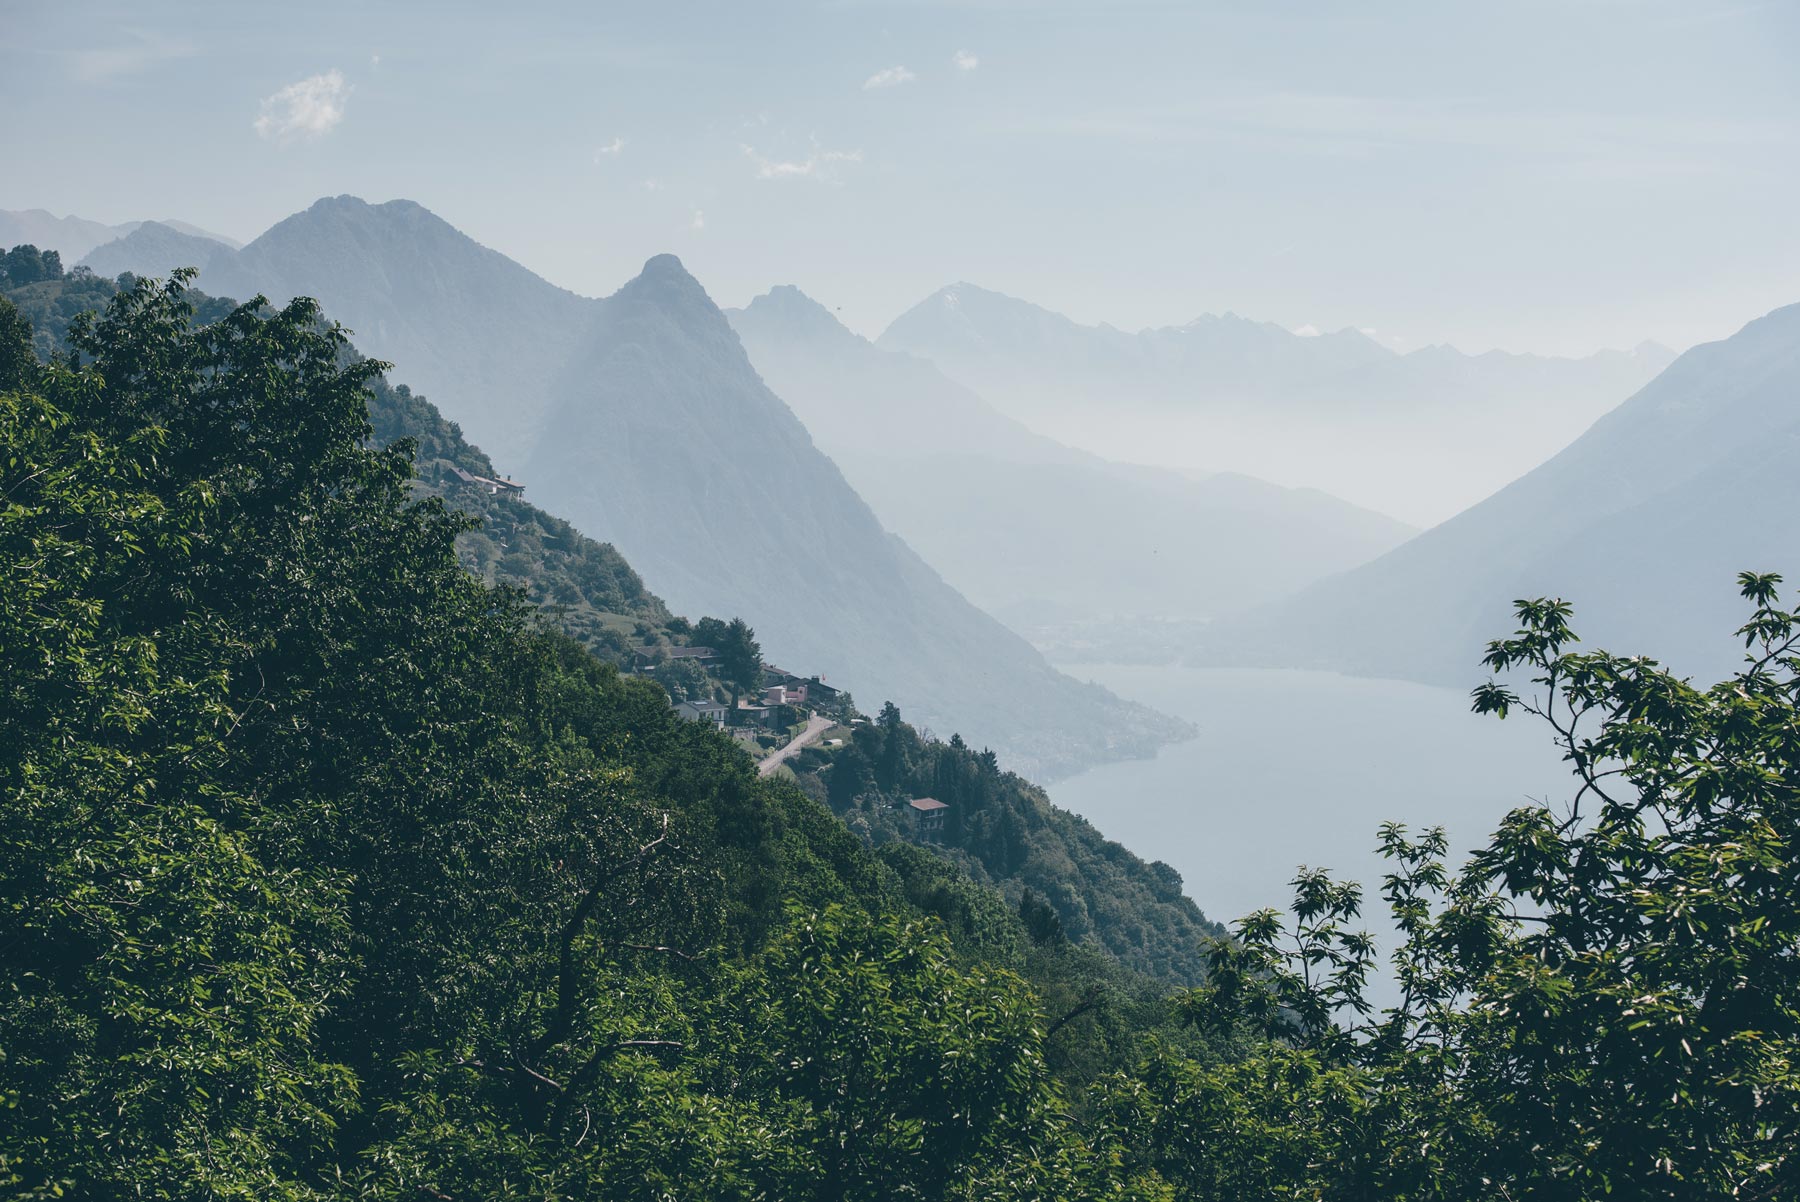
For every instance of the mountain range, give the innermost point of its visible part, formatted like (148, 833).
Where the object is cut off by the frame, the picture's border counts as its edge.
(639, 419)
(1641, 524)
(1032, 530)
(73, 237)
(1419, 436)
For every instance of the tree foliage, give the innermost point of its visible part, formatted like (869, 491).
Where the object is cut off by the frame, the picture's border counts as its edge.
(327, 871)
(1604, 1002)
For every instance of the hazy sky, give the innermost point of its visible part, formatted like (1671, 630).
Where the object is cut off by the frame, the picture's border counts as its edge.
(1553, 175)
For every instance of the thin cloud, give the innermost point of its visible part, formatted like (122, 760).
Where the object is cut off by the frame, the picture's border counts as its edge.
(309, 109)
(698, 222)
(100, 63)
(891, 77)
(965, 61)
(819, 164)
(612, 147)
(1605, 145)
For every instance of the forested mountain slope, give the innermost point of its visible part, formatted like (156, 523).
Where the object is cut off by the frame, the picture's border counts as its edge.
(395, 852)
(639, 420)
(1418, 435)
(1023, 525)
(1641, 524)
(1105, 897)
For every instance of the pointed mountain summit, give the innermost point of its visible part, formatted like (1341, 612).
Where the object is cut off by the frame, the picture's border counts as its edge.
(1024, 525)
(668, 443)
(1642, 524)
(455, 317)
(1419, 436)
(638, 419)
(153, 248)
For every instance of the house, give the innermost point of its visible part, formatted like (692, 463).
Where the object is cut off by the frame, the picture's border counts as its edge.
(821, 693)
(785, 694)
(702, 711)
(643, 658)
(928, 816)
(494, 486)
(749, 712)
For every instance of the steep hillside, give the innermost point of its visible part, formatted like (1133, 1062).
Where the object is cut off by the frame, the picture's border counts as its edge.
(1642, 524)
(1024, 526)
(639, 419)
(667, 443)
(329, 873)
(1106, 898)
(1419, 435)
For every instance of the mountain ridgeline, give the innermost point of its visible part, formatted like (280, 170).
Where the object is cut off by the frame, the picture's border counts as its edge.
(1061, 536)
(639, 420)
(1640, 524)
(74, 237)
(1418, 435)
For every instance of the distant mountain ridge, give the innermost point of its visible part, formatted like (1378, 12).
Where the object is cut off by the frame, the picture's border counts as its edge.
(639, 420)
(1642, 524)
(1028, 528)
(1418, 435)
(153, 248)
(74, 237)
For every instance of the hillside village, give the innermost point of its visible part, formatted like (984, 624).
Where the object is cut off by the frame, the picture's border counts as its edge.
(786, 722)
(765, 712)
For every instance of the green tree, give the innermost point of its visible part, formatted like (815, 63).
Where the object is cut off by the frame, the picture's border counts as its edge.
(27, 264)
(18, 362)
(1605, 1001)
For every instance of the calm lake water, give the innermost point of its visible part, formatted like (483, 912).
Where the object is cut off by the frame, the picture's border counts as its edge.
(1296, 768)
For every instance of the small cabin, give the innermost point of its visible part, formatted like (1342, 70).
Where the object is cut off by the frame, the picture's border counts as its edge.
(645, 658)
(492, 485)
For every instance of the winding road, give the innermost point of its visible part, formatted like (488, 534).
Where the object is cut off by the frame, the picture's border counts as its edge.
(815, 726)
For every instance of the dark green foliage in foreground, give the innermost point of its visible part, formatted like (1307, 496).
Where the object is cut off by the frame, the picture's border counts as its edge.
(587, 590)
(325, 872)
(584, 588)
(1604, 1003)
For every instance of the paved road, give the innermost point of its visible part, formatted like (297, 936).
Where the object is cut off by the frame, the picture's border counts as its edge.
(815, 726)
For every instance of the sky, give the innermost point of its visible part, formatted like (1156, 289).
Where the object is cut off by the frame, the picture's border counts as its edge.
(1542, 175)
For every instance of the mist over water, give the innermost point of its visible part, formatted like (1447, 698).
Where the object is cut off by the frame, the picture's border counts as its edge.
(1295, 767)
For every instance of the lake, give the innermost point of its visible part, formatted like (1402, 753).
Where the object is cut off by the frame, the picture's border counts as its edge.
(1296, 768)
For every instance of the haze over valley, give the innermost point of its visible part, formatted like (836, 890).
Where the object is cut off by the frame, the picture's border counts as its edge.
(1418, 436)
